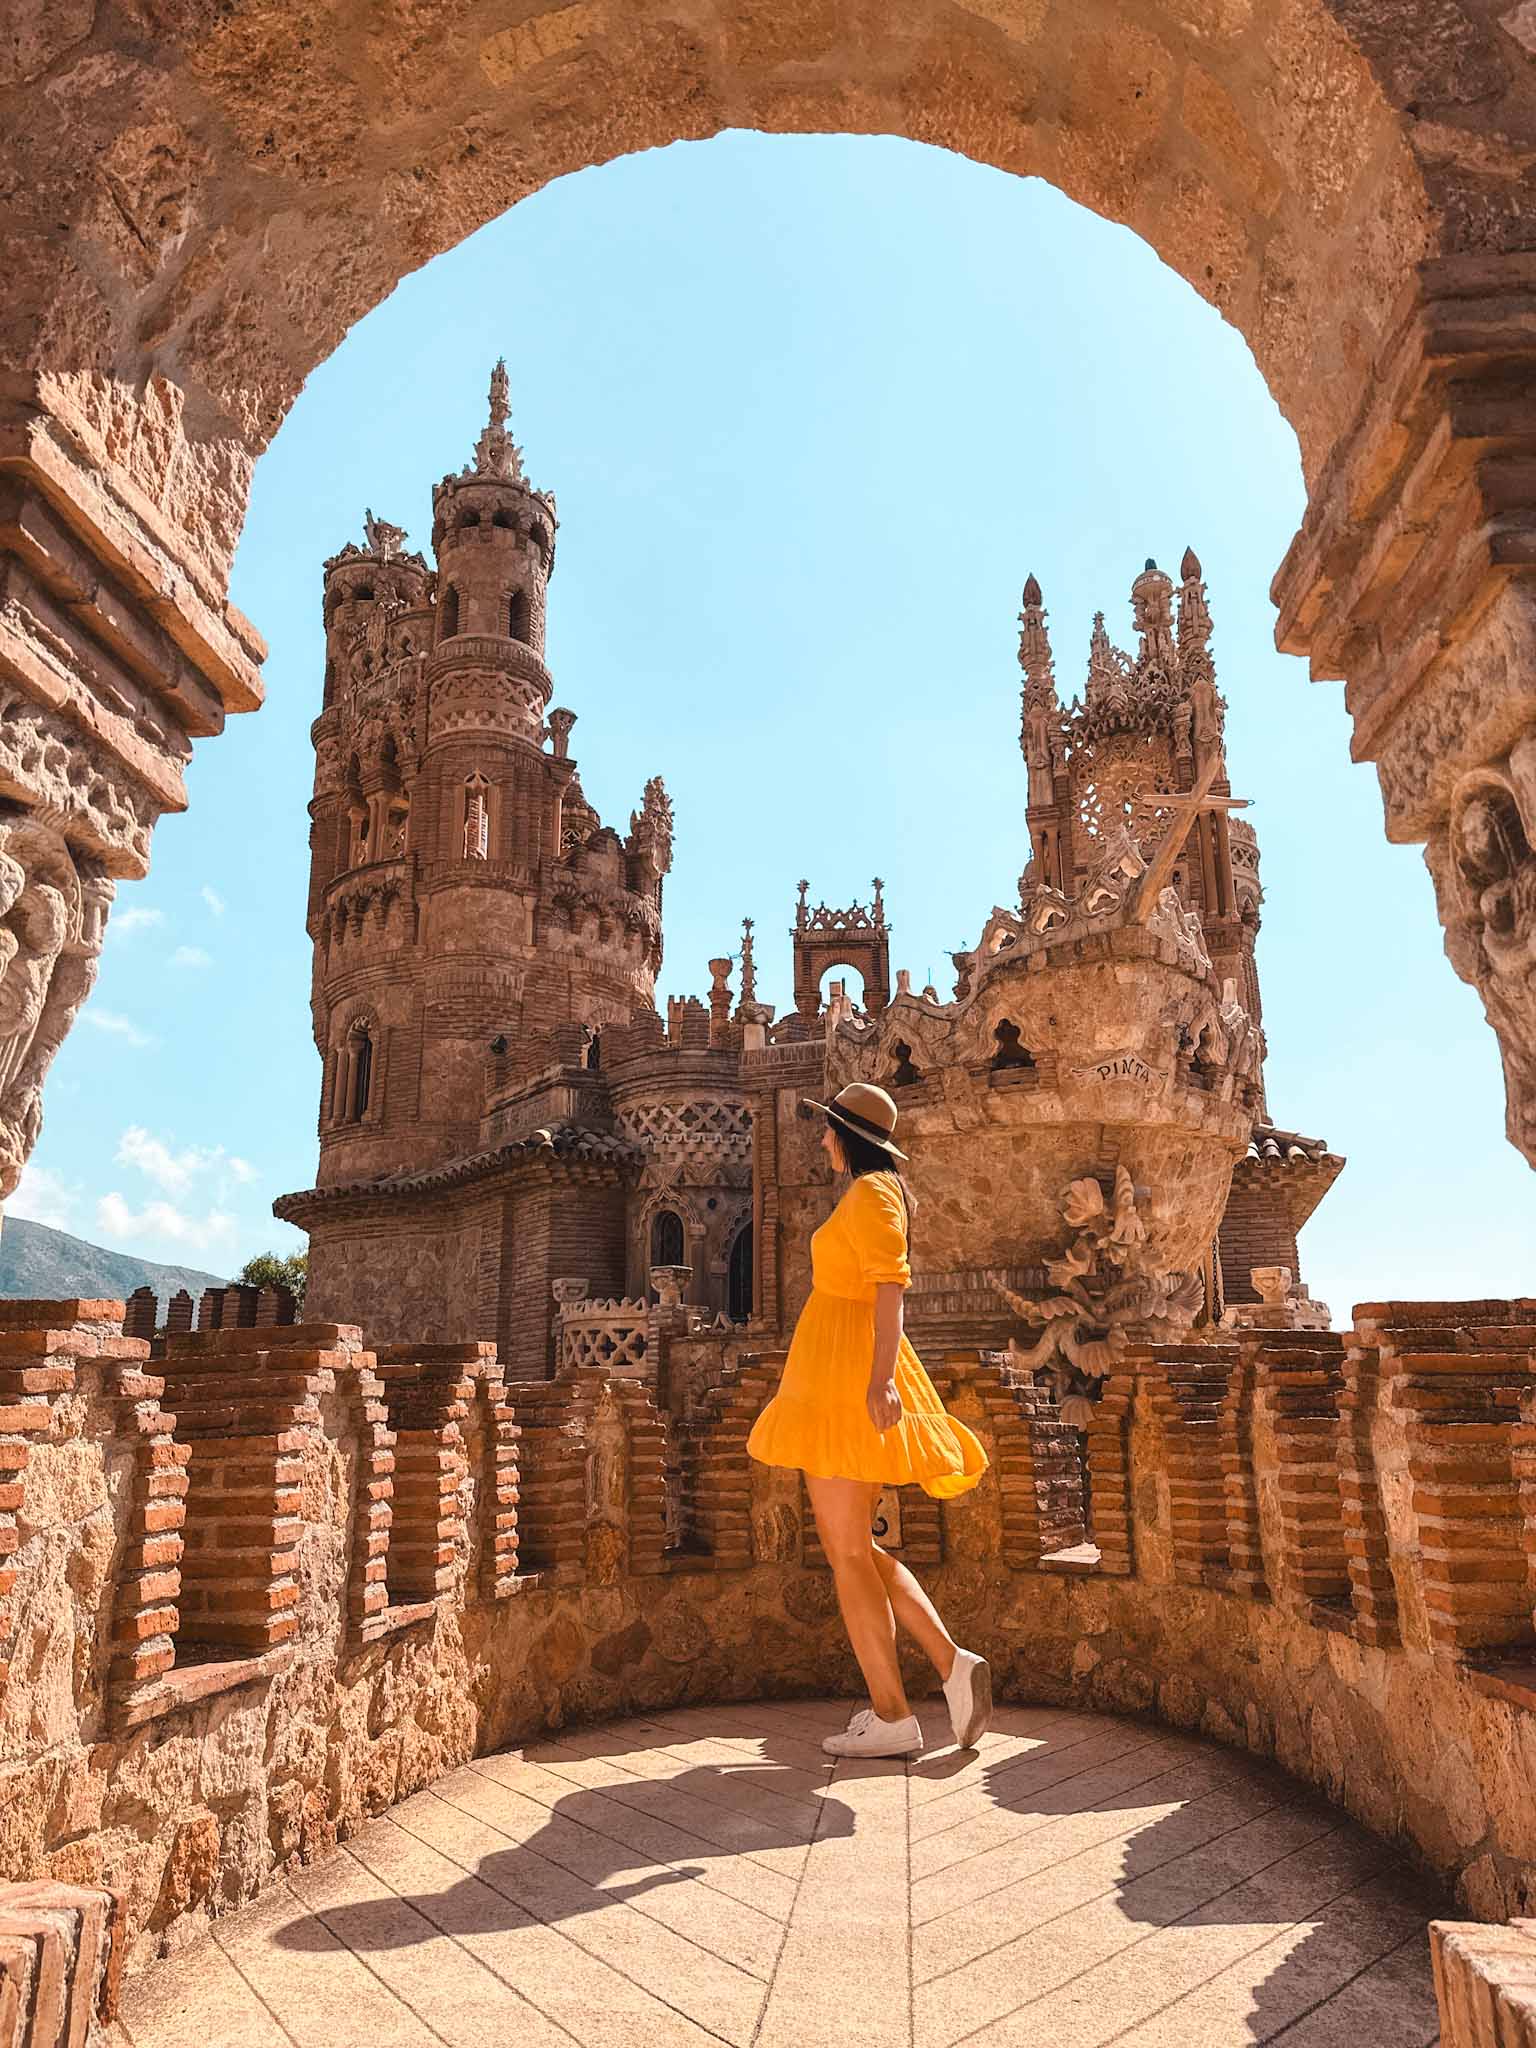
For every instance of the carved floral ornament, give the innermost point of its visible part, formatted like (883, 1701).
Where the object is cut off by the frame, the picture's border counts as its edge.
(1111, 1285)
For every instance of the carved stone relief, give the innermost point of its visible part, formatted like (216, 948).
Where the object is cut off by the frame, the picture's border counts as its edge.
(1484, 868)
(53, 915)
(1110, 1284)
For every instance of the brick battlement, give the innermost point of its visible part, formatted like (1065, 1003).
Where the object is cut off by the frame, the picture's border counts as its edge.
(383, 1561)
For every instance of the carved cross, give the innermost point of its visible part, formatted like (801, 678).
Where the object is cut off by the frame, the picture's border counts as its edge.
(1183, 811)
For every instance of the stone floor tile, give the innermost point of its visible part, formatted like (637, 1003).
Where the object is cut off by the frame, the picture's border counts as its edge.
(198, 1999)
(1090, 2007)
(737, 1934)
(1026, 1802)
(1051, 1757)
(696, 1801)
(720, 1997)
(651, 1835)
(1082, 1939)
(843, 1977)
(599, 2006)
(943, 1769)
(1057, 1869)
(1127, 1813)
(639, 1886)
(1394, 2000)
(464, 2003)
(316, 1989)
(1289, 1975)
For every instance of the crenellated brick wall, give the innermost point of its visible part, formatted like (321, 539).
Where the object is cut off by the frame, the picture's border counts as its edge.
(275, 1581)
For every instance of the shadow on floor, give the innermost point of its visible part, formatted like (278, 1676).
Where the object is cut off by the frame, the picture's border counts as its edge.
(568, 1867)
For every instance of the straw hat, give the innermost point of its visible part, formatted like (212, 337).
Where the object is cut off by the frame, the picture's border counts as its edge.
(866, 1110)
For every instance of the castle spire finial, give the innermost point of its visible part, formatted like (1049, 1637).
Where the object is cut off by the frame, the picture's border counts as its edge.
(496, 453)
(1194, 612)
(748, 964)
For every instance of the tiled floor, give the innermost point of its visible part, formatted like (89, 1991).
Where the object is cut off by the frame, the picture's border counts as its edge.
(706, 1876)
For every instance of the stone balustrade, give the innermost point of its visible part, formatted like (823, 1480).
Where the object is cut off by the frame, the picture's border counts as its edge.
(270, 1582)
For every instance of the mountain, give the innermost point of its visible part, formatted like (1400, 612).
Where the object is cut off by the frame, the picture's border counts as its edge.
(50, 1265)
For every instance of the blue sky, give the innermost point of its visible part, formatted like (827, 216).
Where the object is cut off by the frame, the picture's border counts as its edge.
(812, 409)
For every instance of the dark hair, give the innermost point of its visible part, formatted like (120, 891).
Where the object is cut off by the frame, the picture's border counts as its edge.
(863, 1155)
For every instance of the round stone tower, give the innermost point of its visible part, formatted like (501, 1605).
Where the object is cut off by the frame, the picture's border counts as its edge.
(475, 924)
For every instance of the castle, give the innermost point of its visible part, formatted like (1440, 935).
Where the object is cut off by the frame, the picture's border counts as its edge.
(507, 1123)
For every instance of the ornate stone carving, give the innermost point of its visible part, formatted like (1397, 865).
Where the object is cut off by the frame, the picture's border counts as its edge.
(1110, 1286)
(1173, 919)
(1484, 865)
(71, 783)
(714, 1131)
(53, 914)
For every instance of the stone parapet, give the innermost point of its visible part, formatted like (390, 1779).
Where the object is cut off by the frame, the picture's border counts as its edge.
(330, 1572)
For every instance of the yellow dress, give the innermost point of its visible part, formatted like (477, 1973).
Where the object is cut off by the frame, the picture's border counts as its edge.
(818, 1420)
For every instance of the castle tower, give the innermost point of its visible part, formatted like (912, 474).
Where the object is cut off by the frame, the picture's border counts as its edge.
(1147, 729)
(1107, 774)
(474, 923)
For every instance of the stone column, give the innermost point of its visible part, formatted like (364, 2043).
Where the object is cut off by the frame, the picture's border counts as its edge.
(1414, 577)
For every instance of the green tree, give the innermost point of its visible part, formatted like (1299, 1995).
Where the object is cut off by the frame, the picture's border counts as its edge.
(268, 1270)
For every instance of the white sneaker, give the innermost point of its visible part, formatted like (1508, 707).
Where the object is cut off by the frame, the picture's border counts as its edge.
(968, 1692)
(867, 1735)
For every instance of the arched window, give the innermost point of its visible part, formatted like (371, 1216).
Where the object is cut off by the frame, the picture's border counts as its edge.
(362, 1072)
(477, 818)
(739, 1280)
(470, 519)
(667, 1238)
(515, 615)
(592, 1052)
(450, 614)
(1010, 1048)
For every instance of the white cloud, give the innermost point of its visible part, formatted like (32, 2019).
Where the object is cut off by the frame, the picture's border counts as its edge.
(175, 1168)
(138, 917)
(191, 956)
(214, 900)
(43, 1197)
(114, 1022)
(173, 1171)
(116, 1219)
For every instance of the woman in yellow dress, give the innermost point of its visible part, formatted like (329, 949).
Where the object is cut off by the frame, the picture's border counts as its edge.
(855, 1412)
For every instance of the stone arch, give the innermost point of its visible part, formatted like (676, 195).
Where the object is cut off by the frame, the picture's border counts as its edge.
(198, 220)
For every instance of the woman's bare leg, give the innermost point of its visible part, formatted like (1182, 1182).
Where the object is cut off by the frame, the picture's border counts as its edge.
(915, 1612)
(844, 1509)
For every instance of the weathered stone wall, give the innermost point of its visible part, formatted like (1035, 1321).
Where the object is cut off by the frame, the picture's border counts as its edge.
(399, 1631)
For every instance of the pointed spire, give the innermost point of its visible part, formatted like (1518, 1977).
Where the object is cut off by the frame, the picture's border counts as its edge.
(748, 965)
(1035, 648)
(1194, 613)
(1101, 655)
(496, 453)
(1040, 708)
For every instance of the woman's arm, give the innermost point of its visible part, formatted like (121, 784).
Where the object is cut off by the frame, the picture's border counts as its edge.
(883, 1400)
